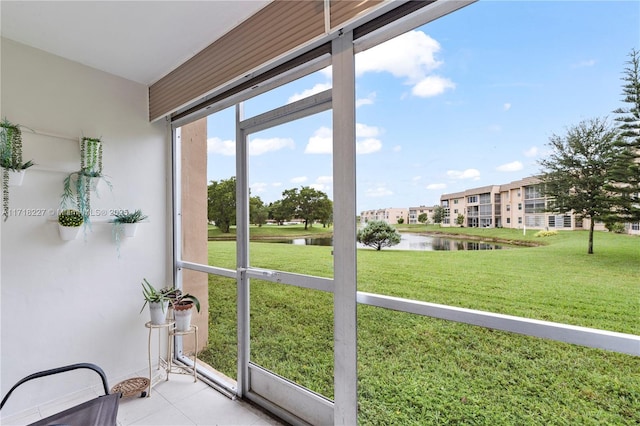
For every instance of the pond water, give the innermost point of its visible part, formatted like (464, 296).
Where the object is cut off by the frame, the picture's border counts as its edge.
(409, 242)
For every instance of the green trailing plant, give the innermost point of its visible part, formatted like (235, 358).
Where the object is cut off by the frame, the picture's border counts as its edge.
(70, 217)
(130, 217)
(77, 186)
(122, 218)
(10, 158)
(91, 156)
(151, 295)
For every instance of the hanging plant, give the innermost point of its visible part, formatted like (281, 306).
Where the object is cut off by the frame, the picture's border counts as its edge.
(79, 185)
(125, 224)
(10, 159)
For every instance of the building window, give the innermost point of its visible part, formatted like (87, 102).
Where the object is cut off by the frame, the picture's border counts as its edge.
(533, 191)
(534, 206)
(455, 211)
(455, 201)
(567, 221)
(519, 221)
(519, 206)
(472, 199)
(508, 220)
(534, 221)
(508, 207)
(635, 226)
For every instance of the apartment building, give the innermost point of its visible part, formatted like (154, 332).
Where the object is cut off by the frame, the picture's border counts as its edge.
(519, 204)
(389, 215)
(415, 212)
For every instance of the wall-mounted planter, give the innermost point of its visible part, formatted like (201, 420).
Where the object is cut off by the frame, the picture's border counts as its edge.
(10, 161)
(68, 233)
(129, 229)
(16, 177)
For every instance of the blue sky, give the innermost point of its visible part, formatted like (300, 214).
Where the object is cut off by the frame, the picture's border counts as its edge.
(466, 101)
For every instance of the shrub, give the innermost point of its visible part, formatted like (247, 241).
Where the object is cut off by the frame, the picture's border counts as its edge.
(615, 227)
(545, 233)
(378, 234)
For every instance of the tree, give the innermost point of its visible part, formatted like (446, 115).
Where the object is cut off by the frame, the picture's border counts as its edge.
(258, 212)
(576, 173)
(308, 204)
(625, 173)
(378, 234)
(438, 214)
(279, 212)
(423, 218)
(400, 220)
(221, 203)
(460, 219)
(325, 212)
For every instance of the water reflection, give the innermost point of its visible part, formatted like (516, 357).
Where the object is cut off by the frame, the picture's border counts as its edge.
(409, 242)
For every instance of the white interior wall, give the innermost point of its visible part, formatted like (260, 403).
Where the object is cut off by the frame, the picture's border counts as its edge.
(78, 301)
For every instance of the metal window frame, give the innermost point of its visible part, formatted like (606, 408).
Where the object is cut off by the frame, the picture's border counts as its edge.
(343, 285)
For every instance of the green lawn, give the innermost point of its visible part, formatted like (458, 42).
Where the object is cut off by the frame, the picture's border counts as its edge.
(417, 370)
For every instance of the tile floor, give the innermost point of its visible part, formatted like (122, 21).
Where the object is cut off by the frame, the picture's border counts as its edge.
(178, 402)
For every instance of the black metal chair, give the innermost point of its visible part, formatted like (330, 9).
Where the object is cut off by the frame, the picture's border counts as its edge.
(100, 411)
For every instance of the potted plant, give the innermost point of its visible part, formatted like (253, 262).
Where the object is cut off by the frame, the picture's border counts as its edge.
(79, 185)
(13, 169)
(158, 302)
(69, 222)
(126, 223)
(182, 304)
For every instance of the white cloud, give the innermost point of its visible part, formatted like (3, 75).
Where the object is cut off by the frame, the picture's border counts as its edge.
(466, 174)
(506, 106)
(319, 187)
(410, 56)
(432, 85)
(364, 131)
(585, 63)
(531, 152)
(322, 183)
(514, 166)
(397, 148)
(416, 178)
(260, 146)
(321, 142)
(320, 87)
(218, 146)
(379, 191)
(298, 179)
(258, 187)
(436, 186)
(369, 100)
(368, 146)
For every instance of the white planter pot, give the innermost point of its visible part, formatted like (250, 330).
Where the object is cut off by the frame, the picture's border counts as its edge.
(158, 312)
(183, 319)
(129, 229)
(68, 233)
(15, 178)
